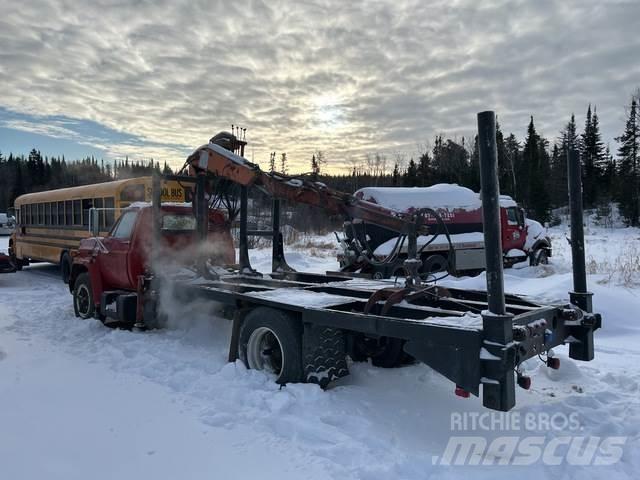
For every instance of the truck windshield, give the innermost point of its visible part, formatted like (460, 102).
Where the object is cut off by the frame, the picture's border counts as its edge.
(175, 222)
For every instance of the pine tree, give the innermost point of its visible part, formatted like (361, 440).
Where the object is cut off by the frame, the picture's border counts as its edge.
(315, 168)
(505, 172)
(411, 175)
(513, 160)
(593, 163)
(272, 162)
(536, 161)
(283, 163)
(473, 181)
(395, 176)
(423, 173)
(629, 192)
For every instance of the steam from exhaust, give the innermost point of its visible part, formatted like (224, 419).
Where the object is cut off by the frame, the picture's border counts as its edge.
(180, 263)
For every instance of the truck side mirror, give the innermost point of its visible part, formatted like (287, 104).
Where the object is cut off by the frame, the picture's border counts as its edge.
(94, 222)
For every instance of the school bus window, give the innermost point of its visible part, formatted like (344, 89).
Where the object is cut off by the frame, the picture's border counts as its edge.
(77, 212)
(54, 213)
(99, 204)
(109, 205)
(68, 213)
(41, 214)
(87, 204)
(60, 213)
(47, 213)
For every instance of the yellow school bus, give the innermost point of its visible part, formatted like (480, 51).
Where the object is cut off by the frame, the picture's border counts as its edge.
(50, 224)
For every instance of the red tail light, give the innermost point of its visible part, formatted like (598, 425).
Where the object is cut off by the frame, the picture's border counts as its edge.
(461, 392)
(524, 382)
(553, 362)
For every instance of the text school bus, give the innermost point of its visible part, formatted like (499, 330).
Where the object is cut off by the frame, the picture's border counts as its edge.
(50, 224)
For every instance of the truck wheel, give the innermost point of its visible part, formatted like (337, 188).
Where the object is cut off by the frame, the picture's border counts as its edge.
(271, 340)
(83, 297)
(65, 267)
(540, 257)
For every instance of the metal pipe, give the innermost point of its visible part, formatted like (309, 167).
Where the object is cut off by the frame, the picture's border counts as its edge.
(275, 232)
(577, 229)
(245, 264)
(490, 195)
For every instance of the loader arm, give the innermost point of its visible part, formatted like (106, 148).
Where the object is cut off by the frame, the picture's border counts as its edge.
(219, 161)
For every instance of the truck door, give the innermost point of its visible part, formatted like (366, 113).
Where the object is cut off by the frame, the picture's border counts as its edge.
(513, 234)
(113, 264)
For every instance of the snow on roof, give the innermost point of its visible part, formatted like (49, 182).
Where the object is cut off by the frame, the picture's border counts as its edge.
(447, 196)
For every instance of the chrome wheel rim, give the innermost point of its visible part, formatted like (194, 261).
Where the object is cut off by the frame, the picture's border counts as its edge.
(264, 351)
(83, 300)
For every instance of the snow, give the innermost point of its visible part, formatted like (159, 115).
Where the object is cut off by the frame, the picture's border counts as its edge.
(303, 298)
(82, 401)
(535, 230)
(445, 196)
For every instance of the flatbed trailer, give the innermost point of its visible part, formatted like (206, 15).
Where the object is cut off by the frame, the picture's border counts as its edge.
(303, 326)
(442, 327)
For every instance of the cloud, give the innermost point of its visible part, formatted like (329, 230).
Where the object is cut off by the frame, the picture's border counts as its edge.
(162, 77)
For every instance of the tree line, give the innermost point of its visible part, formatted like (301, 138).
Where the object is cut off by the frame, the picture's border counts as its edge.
(21, 174)
(532, 171)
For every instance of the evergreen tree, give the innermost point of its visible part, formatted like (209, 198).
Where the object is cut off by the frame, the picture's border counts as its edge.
(513, 160)
(424, 172)
(629, 191)
(536, 161)
(411, 175)
(395, 176)
(593, 163)
(315, 168)
(505, 172)
(474, 172)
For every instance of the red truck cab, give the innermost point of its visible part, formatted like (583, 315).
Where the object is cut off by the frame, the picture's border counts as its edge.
(116, 263)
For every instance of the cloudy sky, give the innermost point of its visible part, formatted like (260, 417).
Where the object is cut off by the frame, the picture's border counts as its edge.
(157, 79)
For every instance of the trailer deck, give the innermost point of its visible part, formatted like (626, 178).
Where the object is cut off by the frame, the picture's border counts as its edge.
(449, 329)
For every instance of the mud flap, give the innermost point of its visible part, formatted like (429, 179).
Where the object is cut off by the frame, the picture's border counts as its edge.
(324, 354)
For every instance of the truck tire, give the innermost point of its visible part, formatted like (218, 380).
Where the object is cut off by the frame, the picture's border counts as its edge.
(540, 257)
(65, 267)
(271, 340)
(83, 304)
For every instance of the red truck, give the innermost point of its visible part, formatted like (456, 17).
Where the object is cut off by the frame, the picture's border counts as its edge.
(376, 250)
(105, 267)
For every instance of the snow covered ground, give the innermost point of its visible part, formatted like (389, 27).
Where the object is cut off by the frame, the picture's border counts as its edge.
(78, 400)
